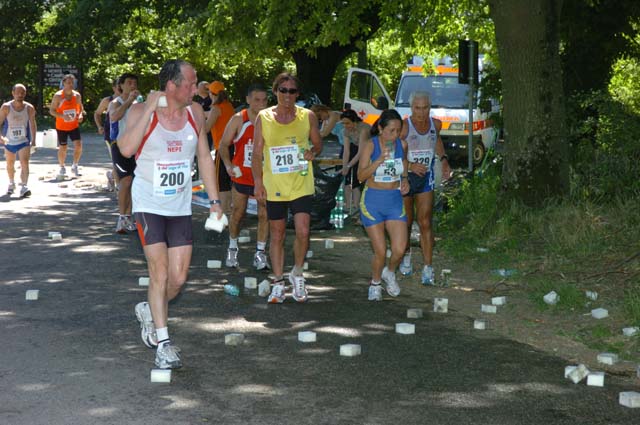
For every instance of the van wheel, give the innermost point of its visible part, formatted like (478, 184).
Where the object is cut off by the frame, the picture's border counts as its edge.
(478, 153)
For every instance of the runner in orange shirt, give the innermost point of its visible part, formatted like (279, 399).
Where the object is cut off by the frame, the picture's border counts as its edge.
(67, 108)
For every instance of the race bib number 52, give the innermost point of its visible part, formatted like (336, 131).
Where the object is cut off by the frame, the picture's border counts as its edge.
(170, 177)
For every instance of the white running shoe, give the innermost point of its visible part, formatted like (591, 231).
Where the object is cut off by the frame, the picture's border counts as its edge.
(405, 265)
(300, 293)
(120, 226)
(147, 328)
(168, 357)
(260, 261)
(128, 224)
(232, 258)
(375, 292)
(62, 172)
(24, 191)
(74, 170)
(11, 188)
(390, 279)
(277, 295)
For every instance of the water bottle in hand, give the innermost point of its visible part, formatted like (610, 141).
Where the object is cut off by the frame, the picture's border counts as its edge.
(390, 161)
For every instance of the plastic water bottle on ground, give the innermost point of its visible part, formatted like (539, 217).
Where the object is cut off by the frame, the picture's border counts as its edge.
(232, 290)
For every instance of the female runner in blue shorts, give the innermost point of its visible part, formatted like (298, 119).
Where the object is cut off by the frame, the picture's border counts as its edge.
(383, 168)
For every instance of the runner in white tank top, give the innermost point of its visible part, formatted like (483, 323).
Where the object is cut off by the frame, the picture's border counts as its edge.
(165, 140)
(422, 134)
(18, 123)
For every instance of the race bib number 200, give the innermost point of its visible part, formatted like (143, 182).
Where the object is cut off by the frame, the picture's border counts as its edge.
(170, 177)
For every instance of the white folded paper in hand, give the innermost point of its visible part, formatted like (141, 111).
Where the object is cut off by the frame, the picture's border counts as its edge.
(215, 223)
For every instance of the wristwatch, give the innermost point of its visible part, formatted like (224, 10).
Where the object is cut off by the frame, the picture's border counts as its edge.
(214, 202)
(443, 157)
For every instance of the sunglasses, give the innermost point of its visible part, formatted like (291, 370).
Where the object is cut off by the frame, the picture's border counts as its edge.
(285, 90)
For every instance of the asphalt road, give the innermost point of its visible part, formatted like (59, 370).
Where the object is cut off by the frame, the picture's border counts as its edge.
(74, 356)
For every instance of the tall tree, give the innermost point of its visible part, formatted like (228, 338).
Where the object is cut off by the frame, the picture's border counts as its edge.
(527, 35)
(317, 34)
(594, 34)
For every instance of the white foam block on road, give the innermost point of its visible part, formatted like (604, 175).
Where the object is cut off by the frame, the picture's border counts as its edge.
(551, 298)
(630, 399)
(214, 264)
(328, 243)
(486, 308)
(608, 358)
(405, 328)
(578, 374)
(143, 281)
(631, 331)
(568, 370)
(250, 282)
(350, 350)
(55, 236)
(244, 232)
(244, 239)
(309, 254)
(233, 339)
(440, 305)
(264, 289)
(498, 300)
(388, 253)
(307, 336)
(595, 379)
(480, 324)
(599, 313)
(161, 375)
(414, 313)
(305, 266)
(32, 294)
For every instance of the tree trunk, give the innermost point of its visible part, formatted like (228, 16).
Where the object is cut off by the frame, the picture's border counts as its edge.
(316, 73)
(536, 163)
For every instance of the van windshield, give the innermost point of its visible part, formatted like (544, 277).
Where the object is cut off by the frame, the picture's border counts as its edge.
(444, 90)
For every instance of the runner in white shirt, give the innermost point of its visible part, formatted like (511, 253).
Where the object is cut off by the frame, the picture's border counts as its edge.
(18, 121)
(164, 140)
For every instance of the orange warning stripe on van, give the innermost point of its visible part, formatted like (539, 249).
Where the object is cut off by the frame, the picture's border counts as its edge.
(477, 125)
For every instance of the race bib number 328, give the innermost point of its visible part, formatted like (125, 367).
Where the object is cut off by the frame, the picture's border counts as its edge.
(170, 177)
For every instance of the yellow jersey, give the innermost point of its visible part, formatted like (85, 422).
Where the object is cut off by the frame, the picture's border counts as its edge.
(283, 144)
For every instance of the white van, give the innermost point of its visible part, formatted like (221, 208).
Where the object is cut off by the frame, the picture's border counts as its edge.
(365, 94)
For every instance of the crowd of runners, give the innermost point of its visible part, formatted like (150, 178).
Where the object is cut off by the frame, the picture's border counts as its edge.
(260, 152)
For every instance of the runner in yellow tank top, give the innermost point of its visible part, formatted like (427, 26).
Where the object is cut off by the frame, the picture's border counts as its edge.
(280, 134)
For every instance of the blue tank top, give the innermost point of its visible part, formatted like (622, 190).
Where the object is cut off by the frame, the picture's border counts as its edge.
(106, 124)
(388, 172)
(398, 151)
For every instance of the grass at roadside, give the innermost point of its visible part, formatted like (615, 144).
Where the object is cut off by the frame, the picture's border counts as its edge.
(568, 247)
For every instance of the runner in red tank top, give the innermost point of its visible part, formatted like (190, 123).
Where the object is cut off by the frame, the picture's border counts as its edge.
(239, 132)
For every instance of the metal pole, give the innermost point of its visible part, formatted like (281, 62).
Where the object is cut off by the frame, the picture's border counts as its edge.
(472, 66)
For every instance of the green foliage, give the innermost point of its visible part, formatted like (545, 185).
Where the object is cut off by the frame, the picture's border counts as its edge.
(632, 303)
(604, 136)
(625, 83)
